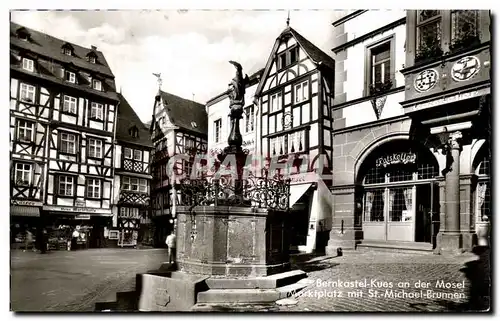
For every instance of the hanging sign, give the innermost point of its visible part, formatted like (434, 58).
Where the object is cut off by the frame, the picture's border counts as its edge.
(396, 158)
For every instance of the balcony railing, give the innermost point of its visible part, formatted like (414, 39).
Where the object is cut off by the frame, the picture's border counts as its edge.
(133, 165)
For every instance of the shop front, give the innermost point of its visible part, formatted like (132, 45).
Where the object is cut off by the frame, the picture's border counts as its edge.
(75, 227)
(310, 213)
(24, 217)
(399, 194)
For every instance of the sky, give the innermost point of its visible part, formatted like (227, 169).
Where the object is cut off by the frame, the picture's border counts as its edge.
(190, 48)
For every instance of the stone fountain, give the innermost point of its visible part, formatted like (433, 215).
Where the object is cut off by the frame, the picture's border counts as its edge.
(232, 236)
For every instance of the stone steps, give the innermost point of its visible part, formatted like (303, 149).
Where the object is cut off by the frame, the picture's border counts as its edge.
(238, 296)
(267, 282)
(396, 246)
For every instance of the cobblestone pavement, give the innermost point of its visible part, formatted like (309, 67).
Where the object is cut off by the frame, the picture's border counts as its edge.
(74, 281)
(381, 287)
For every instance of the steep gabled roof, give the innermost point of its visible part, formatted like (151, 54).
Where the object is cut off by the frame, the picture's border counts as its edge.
(318, 56)
(182, 112)
(127, 119)
(45, 45)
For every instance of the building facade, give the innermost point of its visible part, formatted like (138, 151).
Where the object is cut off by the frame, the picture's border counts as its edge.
(219, 124)
(179, 126)
(132, 180)
(295, 97)
(287, 119)
(391, 155)
(62, 115)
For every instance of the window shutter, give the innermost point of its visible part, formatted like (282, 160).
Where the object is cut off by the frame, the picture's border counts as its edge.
(62, 73)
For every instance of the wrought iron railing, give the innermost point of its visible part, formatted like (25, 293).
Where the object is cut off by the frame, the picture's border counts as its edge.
(251, 191)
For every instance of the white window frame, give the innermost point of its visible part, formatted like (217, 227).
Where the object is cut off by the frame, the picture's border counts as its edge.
(68, 51)
(96, 84)
(301, 91)
(96, 111)
(137, 152)
(95, 148)
(68, 141)
(127, 151)
(126, 183)
(25, 126)
(134, 184)
(28, 64)
(143, 186)
(217, 130)
(249, 119)
(21, 171)
(92, 59)
(93, 188)
(70, 76)
(27, 93)
(382, 64)
(275, 102)
(69, 104)
(67, 181)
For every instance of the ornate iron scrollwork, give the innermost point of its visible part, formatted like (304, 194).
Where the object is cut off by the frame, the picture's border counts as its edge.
(255, 192)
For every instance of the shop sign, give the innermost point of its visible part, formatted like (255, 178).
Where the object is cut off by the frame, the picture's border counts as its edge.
(25, 203)
(452, 99)
(76, 209)
(396, 158)
(82, 217)
(309, 177)
(80, 203)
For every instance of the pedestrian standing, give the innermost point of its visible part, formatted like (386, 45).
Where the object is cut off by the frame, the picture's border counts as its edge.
(170, 241)
(28, 241)
(44, 242)
(74, 239)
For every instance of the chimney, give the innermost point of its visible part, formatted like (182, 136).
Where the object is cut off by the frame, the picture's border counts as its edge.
(93, 47)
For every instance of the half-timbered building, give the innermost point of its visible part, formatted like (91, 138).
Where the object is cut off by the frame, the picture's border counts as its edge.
(294, 97)
(132, 179)
(62, 116)
(179, 126)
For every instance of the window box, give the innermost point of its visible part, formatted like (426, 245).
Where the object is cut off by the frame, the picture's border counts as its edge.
(429, 52)
(380, 87)
(464, 42)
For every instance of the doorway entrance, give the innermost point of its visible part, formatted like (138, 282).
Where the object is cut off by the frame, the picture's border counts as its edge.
(399, 194)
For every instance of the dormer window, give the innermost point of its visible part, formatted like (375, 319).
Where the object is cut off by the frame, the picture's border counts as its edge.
(28, 64)
(67, 49)
(92, 57)
(23, 34)
(193, 124)
(96, 84)
(134, 132)
(69, 76)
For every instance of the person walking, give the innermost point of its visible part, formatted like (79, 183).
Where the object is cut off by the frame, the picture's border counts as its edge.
(170, 241)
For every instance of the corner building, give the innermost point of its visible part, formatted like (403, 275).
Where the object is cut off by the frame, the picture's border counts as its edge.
(62, 115)
(411, 129)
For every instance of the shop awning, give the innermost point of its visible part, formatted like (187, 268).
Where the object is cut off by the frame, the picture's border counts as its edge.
(296, 191)
(25, 211)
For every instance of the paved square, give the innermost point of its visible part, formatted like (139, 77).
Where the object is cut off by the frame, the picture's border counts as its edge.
(75, 281)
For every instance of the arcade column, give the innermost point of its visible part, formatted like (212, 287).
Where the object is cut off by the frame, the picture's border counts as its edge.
(449, 241)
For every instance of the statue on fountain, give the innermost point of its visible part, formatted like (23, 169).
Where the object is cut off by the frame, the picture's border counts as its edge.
(236, 91)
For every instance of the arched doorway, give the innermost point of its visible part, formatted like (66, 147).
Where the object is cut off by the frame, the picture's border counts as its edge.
(400, 195)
